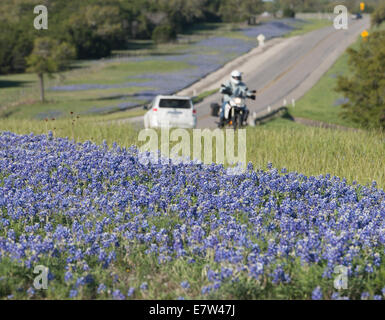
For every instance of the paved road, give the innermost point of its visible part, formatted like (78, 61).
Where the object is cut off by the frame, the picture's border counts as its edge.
(288, 74)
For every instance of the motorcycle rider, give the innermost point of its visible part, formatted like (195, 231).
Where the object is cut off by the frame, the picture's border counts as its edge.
(235, 87)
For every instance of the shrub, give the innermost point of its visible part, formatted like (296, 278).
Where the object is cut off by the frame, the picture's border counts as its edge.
(288, 13)
(378, 16)
(164, 33)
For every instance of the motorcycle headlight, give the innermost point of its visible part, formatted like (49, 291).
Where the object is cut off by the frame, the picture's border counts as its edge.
(238, 101)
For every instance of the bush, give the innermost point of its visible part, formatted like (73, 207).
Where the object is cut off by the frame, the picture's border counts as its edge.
(15, 45)
(288, 13)
(163, 33)
(378, 16)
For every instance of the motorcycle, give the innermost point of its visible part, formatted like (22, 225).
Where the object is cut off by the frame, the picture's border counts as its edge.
(236, 112)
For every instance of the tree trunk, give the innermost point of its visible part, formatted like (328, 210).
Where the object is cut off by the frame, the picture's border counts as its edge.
(41, 78)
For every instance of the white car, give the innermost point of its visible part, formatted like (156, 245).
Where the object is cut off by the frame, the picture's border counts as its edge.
(170, 112)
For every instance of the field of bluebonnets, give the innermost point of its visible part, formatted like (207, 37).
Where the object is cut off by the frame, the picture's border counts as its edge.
(109, 226)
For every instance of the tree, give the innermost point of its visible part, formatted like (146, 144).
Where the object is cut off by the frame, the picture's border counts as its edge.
(365, 89)
(48, 56)
(15, 44)
(95, 30)
(163, 33)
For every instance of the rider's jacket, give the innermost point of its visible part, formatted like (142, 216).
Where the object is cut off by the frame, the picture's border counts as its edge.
(238, 90)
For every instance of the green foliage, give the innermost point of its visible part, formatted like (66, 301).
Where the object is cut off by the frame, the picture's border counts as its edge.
(164, 33)
(15, 45)
(237, 11)
(95, 30)
(96, 27)
(356, 155)
(48, 56)
(288, 13)
(378, 16)
(365, 89)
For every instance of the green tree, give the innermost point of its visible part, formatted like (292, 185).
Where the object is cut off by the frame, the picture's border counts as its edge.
(95, 30)
(378, 16)
(365, 89)
(15, 44)
(163, 34)
(236, 11)
(48, 56)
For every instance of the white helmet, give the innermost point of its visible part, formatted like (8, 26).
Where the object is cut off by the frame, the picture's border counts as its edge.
(236, 77)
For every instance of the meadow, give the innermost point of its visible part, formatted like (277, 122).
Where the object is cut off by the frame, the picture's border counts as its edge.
(317, 105)
(354, 155)
(76, 198)
(109, 226)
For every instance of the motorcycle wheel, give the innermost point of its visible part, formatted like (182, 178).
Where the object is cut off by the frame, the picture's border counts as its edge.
(235, 122)
(240, 120)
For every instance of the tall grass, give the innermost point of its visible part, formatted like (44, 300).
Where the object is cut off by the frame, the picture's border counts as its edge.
(354, 155)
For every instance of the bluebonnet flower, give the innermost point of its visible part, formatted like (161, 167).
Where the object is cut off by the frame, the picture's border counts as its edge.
(317, 294)
(130, 292)
(144, 286)
(68, 276)
(73, 293)
(31, 291)
(365, 296)
(117, 295)
(102, 288)
(185, 285)
(206, 290)
(335, 296)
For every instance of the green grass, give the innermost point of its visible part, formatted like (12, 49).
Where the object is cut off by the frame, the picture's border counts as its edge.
(20, 93)
(354, 155)
(319, 103)
(164, 279)
(309, 25)
(312, 151)
(19, 97)
(204, 95)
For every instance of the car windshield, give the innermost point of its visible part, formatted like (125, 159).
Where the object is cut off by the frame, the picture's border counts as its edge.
(175, 103)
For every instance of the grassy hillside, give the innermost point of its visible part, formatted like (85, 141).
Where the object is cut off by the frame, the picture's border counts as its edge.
(108, 226)
(352, 155)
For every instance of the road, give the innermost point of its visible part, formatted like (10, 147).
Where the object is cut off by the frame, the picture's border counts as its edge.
(289, 73)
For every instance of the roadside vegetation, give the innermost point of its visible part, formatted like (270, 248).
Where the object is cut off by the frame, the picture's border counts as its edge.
(303, 27)
(354, 155)
(355, 87)
(132, 77)
(109, 227)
